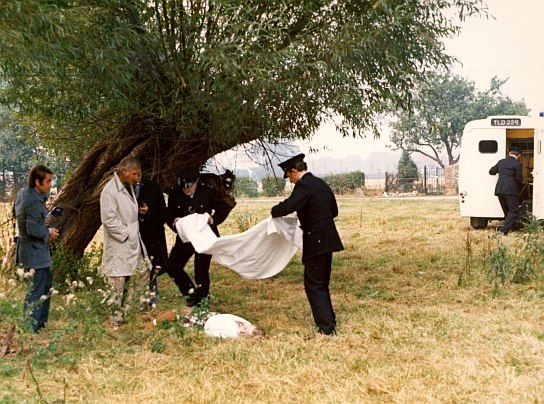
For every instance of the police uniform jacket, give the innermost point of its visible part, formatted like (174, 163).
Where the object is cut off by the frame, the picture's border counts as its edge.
(32, 241)
(510, 177)
(316, 207)
(152, 223)
(205, 199)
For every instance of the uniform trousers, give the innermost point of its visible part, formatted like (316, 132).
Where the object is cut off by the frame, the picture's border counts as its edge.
(510, 207)
(37, 298)
(179, 256)
(317, 275)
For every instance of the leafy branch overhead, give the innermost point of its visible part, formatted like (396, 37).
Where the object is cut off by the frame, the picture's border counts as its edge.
(177, 82)
(446, 103)
(225, 70)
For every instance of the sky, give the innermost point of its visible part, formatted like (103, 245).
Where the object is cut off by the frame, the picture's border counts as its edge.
(507, 46)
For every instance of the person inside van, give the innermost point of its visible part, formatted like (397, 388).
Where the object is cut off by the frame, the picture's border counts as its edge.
(507, 188)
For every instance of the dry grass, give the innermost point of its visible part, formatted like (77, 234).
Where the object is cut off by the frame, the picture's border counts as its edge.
(407, 332)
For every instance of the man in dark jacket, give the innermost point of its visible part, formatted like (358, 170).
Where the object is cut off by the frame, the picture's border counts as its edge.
(32, 243)
(191, 196)
(152, 216)
(316, 208)
(510, 178)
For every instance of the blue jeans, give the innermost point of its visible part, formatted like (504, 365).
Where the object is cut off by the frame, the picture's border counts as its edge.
(34, 306)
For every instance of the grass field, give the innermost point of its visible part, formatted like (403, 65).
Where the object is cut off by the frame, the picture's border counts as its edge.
(418, 322)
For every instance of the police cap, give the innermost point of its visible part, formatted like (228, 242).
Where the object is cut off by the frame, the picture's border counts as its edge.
(187, 176)
(289, 164)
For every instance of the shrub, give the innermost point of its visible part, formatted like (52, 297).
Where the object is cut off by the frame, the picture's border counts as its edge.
(345, 183)
(245, 187)
(273, 186)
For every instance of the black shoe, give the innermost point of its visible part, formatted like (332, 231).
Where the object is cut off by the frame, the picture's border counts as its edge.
(190, 301)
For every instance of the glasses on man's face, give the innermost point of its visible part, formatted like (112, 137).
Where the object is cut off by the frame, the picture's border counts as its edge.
(188, 184)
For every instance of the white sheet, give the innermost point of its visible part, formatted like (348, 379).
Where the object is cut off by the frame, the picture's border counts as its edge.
(261, 252)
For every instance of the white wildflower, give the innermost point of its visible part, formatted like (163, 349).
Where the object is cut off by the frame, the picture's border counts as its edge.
(2, 295)
(67, 281)
(12, 282)
(191, 291)
(54, 291)
(74, 284)
(71, 298)
(21, 272)
(29, 274)
(80, 285)
(43, 297)
(89, 280)
(154, 306)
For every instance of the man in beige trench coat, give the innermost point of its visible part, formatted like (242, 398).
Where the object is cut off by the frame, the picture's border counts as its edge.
(124, 254)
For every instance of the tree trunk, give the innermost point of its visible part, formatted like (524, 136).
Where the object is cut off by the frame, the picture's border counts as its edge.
(161, 154)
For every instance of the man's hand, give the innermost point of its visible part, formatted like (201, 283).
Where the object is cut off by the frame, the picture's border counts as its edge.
(210, 219)
(176, 219)
(54, 233)
(142, 210)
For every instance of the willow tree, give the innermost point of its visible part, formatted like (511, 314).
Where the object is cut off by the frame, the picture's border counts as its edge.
(175, 82)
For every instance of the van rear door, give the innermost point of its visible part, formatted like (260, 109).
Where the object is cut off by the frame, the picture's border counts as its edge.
(538, 174)
(489, 146)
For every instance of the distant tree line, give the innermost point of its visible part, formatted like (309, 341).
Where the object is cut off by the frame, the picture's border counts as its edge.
(20, 149)
(273, 186)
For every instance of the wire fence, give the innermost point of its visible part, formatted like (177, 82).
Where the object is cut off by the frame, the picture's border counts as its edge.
(429, 180)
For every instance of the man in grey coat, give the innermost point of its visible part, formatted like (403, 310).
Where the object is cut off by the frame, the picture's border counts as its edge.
(124, 254)
(32, 243)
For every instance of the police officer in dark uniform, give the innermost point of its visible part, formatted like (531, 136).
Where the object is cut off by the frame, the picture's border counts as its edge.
(507, 188)
(316, 207)
(191, 196)
(152, 216)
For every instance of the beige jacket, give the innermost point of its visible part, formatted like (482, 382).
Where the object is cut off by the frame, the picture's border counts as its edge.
(123, 248)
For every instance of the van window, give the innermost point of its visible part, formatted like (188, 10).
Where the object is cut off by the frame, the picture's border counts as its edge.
(488, 146)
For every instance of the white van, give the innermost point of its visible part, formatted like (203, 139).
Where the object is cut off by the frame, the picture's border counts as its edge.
(484, 143)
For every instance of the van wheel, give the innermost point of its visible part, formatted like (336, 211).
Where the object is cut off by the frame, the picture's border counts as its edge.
(478, 222)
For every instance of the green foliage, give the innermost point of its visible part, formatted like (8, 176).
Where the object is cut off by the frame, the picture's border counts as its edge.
(244, 220)
(499, 264)
(407, 172)
(222, 72)
(245, 187)
(273, 186)
(20, 149)
(345, 183)
(17, 155)
(73, 271)
(523, 263)
(447, 103)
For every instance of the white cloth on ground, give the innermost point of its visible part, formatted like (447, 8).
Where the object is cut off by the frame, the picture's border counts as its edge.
(224, 326)
(258, 253)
